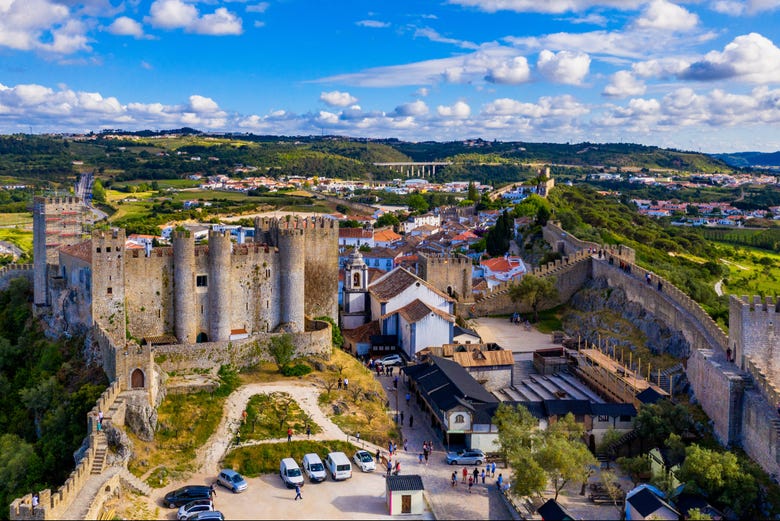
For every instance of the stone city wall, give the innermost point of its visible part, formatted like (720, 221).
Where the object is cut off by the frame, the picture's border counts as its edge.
(719, 391)
(52, 505)
(14, 271)
(240, 353)
(760, 431)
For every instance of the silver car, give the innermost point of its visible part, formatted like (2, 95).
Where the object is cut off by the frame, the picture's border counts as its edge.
(466, 457)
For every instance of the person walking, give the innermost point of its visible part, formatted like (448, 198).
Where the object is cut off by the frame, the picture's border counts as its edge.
(298, 492)
(397, 467)
(289, 434)
(471, 483)
(411, 421)
(395, 382)
(420, 458)
(465, 474)
(499, 481)
(389, 466)
(476, 474)
(454, 478)
(346, 383)
(483, 476)
(378, 453)
(406, 445)
(212, 492)
(493, 469)
(339, 383)
(308, 431)
(402, 417)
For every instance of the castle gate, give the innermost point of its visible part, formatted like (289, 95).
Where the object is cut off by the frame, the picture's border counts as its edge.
(137, 379)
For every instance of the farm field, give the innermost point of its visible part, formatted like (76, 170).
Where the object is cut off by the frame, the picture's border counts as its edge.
(752, 272)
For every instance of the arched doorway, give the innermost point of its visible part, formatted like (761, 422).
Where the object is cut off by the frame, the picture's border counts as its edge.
(202, 337)
(137, 379)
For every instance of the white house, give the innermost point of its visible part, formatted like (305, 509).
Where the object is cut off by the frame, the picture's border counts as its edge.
(355, 237)
(412, 310)
(419, 220)
(502, 269)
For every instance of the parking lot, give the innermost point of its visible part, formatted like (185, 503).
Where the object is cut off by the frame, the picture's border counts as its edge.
(361, 497)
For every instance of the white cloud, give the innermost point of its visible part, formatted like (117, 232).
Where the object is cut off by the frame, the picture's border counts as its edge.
(176, 14)
(564, 66)
(624, 84)
(434, 36)
(202, 104)
(460, 110)
(415, 108)
(126, 26)
(592, 18)
(513, 71)
(729, 7)
(750, 57)
(259, 23)
(172, 14)
(220, 22)
(374, 24)
(422, 92)
(545, 6)
(660, 68)
(664, 15)
(24, 24)
(337, 98)
(547, 106)
(258, 8)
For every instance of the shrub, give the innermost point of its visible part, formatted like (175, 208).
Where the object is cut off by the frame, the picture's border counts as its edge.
(296, 370)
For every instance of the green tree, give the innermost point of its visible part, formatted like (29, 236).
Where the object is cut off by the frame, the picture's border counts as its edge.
(98, 192)
(417, 203)
(499, 236)
(20, 467)
(282, 350)
(657, 421)
(533, 291)
(473, 194)
(336, 336)
(720, 476)
(637, 467)
(387, 219)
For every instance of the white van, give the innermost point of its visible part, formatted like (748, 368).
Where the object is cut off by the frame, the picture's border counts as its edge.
(313, 467)
(290, 473)
(339, 466)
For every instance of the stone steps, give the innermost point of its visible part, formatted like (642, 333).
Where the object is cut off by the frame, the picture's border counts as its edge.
(101, 447)
(132, 482)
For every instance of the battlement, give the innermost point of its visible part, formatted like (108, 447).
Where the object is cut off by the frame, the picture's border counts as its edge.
(214, 234)
(67, 199)
(443, 258)
(294, 221)
(181, 233)
(112, 235)
(757, 304)
(165, 251)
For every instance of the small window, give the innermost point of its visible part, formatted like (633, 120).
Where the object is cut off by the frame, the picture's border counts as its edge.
(108, 249)
(459, 418)
(109, 291)
(603, 418)
(98, 249)
(201, 281)
(625, 418)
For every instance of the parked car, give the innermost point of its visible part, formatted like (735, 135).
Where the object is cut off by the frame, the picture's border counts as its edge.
(313, 467)
(182, 496)
(391, 360)
(364, 460)
(231, 479)
(290, 473)
(213, 515)
(193, 507)
(466, 457)
(339, 466)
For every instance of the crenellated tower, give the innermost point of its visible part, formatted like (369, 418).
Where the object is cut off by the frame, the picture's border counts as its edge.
(57, 221)
(448, 273)
(219, 300)
(320, 256)
(108, 283)
(185, 319)
(754, 324)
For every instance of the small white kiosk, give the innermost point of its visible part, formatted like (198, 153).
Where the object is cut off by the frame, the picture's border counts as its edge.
(405, 495)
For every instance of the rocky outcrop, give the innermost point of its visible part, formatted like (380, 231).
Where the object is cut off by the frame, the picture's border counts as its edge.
(140, 416)
(120, 446)
(599, 309)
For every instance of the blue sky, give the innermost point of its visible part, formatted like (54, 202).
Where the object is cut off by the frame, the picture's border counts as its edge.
(696, 75)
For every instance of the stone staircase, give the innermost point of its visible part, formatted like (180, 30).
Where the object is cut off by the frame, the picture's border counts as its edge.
(101, 447)
(667, 375)
(628, 437)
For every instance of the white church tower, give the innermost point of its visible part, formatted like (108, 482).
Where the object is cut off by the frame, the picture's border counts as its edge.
(357, 309)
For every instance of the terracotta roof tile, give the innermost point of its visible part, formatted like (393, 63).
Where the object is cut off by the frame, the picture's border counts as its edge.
(395, 282)
(362, 334)
(82, 250)
(479, 358)
(418, 310)
(355, 233)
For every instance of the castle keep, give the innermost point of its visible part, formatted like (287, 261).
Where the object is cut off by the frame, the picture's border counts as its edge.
(215, 292)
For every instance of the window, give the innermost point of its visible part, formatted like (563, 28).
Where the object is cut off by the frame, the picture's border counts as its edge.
(109, 291)
(459, 418)
(603, 418)
(201, 281)
(108, 249)
(98, 249)
(625, 418)
(356, 280)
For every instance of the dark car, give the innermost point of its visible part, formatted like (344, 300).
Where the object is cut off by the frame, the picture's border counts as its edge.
(184, 495)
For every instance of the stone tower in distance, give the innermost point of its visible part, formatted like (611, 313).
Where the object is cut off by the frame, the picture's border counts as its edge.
(57, 221)
(448, 273)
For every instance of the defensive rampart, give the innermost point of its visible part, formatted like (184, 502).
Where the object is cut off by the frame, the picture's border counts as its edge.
(317, 340)
(52, 505)
(14, 271)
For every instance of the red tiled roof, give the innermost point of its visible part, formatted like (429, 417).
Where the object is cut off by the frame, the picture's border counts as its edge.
(362, 334)
(499, 264)
(395, 282)
(355, 233)
(417, 310)
(386, 236)
(82, 250)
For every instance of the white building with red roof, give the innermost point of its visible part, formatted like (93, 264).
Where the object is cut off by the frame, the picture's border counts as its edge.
(502, 269)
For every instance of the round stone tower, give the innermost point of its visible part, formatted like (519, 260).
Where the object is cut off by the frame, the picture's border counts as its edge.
(219, 285)
(291, 266)
(185, 320)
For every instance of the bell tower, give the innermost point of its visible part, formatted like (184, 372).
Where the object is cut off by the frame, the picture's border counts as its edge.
(356, 305)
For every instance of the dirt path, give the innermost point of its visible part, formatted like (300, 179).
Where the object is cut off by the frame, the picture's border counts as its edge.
(719, 288)
(214, 450)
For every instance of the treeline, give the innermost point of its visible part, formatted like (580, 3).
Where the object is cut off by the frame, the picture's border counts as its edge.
(47, 391)
(764, 239)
